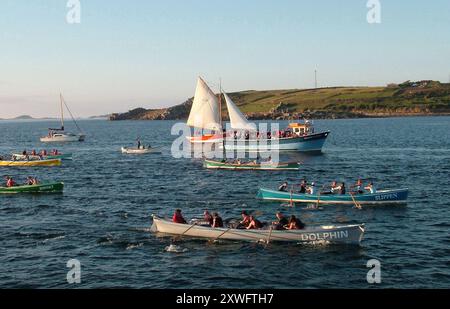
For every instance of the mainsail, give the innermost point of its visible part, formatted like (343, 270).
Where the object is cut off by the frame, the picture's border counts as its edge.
(205, 112)
(237, 119)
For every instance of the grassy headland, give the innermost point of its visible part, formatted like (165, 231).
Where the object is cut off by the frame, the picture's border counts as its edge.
(407, 99)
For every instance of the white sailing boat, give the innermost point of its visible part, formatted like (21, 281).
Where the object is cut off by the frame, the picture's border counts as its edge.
(206, 114)
(60, 135)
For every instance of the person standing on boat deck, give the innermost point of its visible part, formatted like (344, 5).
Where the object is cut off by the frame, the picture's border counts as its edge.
(303, 186)
(254, 224)
(139, 143)
(281, 222)
(371, 188)
(283, 187)
(295, 224)
(208, 218)
(178, 217)
(217, 221)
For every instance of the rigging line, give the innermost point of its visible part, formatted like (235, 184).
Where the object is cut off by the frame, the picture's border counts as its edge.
(76, 124)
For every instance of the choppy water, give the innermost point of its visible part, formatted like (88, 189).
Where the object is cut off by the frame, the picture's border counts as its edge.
(103, 218)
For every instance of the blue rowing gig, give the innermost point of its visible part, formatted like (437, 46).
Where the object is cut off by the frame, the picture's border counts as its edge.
(380, 197)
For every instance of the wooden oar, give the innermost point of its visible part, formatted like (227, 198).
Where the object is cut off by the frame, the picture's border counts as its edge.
(217, 238)
(358, 206)
(270, 235)
(181, 235)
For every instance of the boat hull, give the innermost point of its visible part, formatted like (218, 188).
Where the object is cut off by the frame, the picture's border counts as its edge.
(333, 234)
(310, 143)
(211, 164)
(207, 138)
(53, 162)
(127, 150)
(40, 188)
(63, 138)
(381, 197)
(67, 156)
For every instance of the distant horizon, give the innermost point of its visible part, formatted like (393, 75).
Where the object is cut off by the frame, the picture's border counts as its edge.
(116, 56)
(105, 115)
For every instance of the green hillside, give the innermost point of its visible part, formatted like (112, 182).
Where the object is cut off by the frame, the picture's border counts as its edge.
(409, 98)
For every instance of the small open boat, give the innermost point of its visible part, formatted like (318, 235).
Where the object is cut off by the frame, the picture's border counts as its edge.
(264, 166)
(142, 150)
(334, 234)
(40, 188)
(52, 162)
(380, 197)
(63, 156)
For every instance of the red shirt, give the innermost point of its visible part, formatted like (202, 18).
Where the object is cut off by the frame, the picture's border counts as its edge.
(10, 183)
(178, 218)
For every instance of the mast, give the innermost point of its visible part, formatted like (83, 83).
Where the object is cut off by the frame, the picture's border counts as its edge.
(62, 111)
(221, 120)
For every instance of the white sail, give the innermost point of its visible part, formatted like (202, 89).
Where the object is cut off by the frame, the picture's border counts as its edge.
(237, 119)
(205, 112)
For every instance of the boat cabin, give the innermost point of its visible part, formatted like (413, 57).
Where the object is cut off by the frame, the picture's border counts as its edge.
(302, 128)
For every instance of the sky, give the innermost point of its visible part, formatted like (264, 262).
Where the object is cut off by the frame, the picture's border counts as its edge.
(132, 53)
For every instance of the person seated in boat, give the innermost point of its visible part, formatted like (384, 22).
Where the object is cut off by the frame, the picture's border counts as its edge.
(371, 188)
(24, 153)
(207, 217)
(32, 181)
(343, 191)
(284, 187)
(295, 224)
(269, 135)
(33, 153)
(281, 222)
(358, 186)
(217, 221)
(178, 217)
(254, 224)
(269, 160)
(303, 187)
(245, 220)
(235, 135)
(56, 152)
(312, 189)
(10, 182)
(334, 187)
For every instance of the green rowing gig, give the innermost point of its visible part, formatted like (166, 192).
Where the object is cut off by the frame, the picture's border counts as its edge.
(265, 166)
(56, 187)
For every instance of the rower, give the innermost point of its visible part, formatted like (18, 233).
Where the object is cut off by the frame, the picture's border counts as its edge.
(33, 153)
(303, 186)
(359, 186)
(312, 189)
(343, 190)
(9, 182)
(24, 153)
(207, 217)
(217, 221)
(29, 181)
(254, 224)
(295, 224)
(334, 188)
(245, 219)
(281, 222)
(283, 187)
(371, 188)
(178, 217)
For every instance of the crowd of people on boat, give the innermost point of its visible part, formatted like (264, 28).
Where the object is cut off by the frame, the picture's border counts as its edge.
(30, 181)
(247, 221)
(257, 161)
(252, 135)
(34, 154)
(334, 188)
